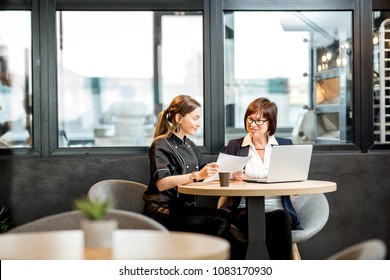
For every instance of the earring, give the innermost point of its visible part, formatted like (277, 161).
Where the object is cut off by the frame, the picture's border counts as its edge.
(177, 128)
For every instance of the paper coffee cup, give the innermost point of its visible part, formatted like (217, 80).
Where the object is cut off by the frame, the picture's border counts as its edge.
(224, 178)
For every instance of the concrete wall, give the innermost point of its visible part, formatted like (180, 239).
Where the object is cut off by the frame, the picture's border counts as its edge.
(359, 209)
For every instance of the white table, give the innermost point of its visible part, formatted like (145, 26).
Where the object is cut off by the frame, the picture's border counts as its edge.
(255, 193)
(127, 245)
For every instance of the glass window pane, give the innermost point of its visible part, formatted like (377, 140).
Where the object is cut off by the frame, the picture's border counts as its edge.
(381, 76)
(182, 60)
(300, 60)
(15, 80)
(107, 94)
(105, 70)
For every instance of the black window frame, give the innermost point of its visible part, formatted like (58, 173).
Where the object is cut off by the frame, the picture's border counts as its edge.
(332, 5)
(44, 68)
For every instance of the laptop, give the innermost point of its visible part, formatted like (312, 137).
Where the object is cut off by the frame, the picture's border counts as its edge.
(289, 163)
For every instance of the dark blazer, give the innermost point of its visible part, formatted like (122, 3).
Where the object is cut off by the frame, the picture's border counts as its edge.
(234, 148)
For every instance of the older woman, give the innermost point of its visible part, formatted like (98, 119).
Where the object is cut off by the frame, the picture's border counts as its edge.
(260, 122)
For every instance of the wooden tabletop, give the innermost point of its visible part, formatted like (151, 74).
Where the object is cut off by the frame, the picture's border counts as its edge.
(258, 189)
(127, 245)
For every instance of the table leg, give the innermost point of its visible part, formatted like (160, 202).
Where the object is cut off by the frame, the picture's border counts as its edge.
(257, 249)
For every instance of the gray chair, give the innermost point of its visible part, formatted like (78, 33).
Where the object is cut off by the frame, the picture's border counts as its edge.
(125, 195)
(313, 210)
(372, 249)
(71, 220)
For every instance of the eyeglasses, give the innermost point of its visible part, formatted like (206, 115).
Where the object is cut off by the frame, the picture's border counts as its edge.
(257, 122)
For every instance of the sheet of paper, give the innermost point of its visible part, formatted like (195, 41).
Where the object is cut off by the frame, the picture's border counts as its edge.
(229, 163)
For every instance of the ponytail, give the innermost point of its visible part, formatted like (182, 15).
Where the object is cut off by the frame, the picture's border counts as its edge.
(163, 128)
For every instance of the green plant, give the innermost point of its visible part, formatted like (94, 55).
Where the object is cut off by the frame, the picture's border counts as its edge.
(5, 223)
(92, 209)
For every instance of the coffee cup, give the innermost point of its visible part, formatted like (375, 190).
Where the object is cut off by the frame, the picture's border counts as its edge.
(224, 178)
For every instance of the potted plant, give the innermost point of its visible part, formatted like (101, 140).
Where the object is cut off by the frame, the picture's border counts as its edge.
(5, 223)
(97, 229)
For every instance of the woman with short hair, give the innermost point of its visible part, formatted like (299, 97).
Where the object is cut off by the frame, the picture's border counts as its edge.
(260, 122)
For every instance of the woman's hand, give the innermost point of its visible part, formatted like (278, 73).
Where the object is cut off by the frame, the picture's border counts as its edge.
(170, 182)
(208, 170)
(239, 175)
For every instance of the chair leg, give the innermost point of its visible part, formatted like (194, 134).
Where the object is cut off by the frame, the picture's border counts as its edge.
(295, 252)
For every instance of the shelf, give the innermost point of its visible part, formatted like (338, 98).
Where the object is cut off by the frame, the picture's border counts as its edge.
(382, 93)
(330, 105)
(328, 74)
(327, 108)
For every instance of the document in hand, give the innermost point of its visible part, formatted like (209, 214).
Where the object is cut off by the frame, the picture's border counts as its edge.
(229, 163)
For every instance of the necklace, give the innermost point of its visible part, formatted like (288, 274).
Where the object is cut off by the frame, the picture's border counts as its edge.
(258, 149)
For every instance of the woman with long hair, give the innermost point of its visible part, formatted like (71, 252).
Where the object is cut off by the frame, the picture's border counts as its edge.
(175, 160)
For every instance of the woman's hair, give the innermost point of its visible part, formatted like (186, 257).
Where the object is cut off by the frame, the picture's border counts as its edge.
(266, 109)
(166, 124)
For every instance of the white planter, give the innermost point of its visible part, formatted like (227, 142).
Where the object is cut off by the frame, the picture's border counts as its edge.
(98, 234)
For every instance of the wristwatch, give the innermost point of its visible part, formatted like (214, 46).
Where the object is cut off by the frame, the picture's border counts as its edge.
(193, 176)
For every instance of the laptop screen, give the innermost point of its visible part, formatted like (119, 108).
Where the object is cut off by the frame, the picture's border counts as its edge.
(288, 163)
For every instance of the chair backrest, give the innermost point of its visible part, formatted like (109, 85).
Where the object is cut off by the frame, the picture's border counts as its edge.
(71, 220)
(125, 195)
(313, 211)
(372, 249)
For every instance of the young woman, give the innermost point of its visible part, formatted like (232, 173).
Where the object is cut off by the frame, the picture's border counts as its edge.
(174, 160)
(260, 122)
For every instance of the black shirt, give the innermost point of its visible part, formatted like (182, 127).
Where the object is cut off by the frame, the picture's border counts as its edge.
(171, 156)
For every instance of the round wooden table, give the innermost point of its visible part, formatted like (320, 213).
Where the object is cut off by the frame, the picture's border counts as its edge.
(127, 245)
(255, 193)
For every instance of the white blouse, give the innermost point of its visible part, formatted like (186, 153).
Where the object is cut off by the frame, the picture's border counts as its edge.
(256, 168)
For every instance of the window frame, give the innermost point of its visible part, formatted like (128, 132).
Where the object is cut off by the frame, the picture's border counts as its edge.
(332, 5)
(35, 150)
(107, 5)
(44, 68)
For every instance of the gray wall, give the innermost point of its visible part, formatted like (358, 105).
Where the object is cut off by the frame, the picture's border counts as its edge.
(359, 209)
